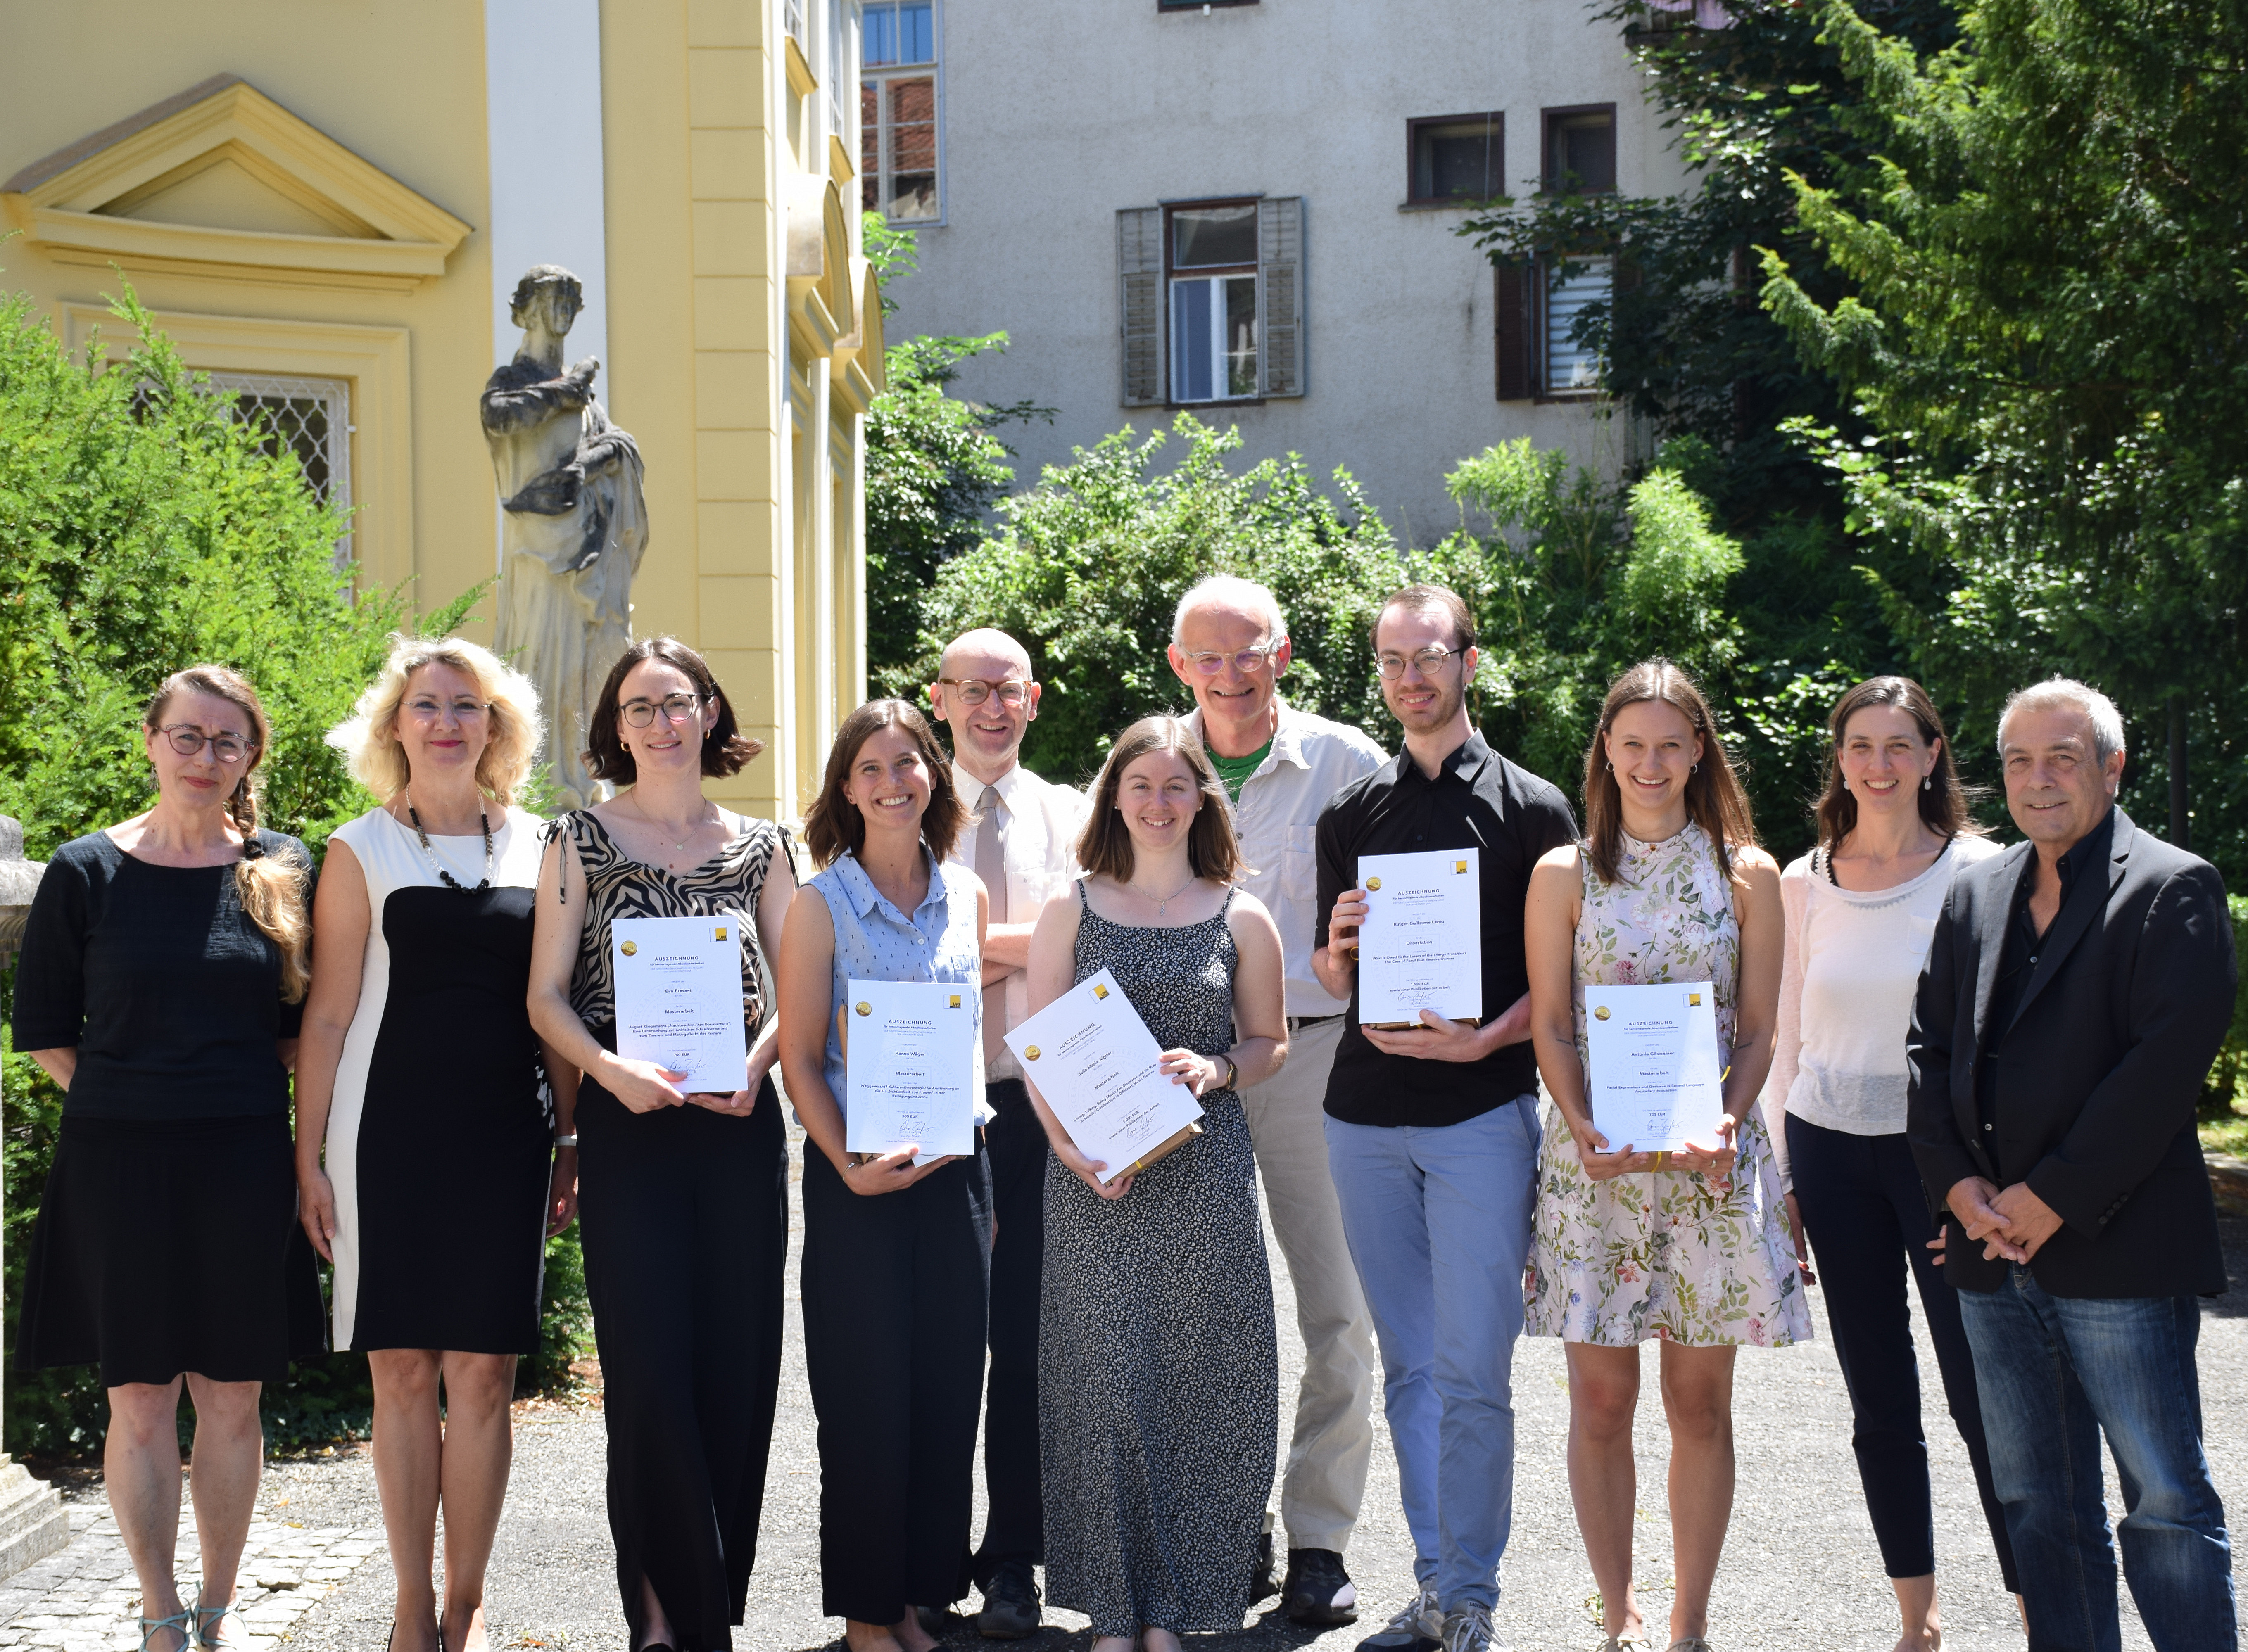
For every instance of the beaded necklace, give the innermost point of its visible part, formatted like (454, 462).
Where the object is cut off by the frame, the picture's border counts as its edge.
(430, 855)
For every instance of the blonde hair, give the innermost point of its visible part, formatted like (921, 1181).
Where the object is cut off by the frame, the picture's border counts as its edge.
(368, 738)
(272, 887)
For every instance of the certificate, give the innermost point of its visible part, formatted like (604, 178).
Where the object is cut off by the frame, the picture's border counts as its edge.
(1098, 1067)
(679, 998)
(1420, 945)
(910, 1051)
(1654, 1076)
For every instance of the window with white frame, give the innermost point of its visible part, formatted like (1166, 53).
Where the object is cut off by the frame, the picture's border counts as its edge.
(838, 42)
(898, 110)
(309, 418)
(1213, 296)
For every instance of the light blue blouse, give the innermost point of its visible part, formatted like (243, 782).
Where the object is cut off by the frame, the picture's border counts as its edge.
(875, 941)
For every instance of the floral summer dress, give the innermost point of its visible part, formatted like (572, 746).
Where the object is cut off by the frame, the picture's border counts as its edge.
(1703, 1261)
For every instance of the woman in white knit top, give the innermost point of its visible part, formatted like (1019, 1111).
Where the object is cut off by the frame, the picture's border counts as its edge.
(1860, 910)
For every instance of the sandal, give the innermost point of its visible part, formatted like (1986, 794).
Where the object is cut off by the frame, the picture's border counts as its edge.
(207, 1623)
(177, 1621)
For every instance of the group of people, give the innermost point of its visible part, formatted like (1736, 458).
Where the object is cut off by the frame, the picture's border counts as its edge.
(1976, 1067)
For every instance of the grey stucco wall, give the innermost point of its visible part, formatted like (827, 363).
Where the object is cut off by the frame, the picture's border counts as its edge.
(1058, 114)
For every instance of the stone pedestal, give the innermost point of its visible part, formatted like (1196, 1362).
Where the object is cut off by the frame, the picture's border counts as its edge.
(33, 1523)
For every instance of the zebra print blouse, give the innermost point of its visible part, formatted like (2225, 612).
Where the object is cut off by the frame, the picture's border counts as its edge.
(617, 886)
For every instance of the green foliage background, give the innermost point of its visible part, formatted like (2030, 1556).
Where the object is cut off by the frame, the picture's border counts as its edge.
(145, 528)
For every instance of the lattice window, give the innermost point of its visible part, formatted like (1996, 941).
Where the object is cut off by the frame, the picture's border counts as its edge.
(311, 418)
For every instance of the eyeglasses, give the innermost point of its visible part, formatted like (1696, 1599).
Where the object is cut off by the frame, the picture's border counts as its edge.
(676, 708)
(1247, 661)
(1428, 662)
(975, 691)
(187, 740)
(429, 709)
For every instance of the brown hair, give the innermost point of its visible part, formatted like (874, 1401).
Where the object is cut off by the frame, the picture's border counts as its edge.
(1714, 799)
(1943, 806)
(725, 749)
(272, 887)
(1440, 601)
(1105, 846)
(833, 825)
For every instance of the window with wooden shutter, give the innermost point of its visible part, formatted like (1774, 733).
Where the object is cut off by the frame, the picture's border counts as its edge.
(1139, 283)
(1280, 275)
(1512, 330)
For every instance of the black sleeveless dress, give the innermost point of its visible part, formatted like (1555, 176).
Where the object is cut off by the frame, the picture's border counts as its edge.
(684, 1222)
(1158, 1371)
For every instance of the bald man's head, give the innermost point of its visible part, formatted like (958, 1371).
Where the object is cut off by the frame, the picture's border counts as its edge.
(993, 666)
(987, 645)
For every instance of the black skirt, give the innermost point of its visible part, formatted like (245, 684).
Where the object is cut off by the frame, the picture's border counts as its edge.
(164, 1247)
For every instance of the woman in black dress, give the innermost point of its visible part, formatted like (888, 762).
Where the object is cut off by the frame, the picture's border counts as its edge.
(683, 1198)
(163, 969)
(416, 1032)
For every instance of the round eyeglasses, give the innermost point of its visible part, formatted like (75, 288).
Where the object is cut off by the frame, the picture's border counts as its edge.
(676, 708)
(187, 740)
(1428, 662)
(1247, 661)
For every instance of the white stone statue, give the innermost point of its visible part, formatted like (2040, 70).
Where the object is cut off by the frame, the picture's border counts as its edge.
(575, 522)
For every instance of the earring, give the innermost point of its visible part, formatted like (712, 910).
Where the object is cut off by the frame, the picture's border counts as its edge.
(1694, 769)
(1927, 782)
(1611, 768)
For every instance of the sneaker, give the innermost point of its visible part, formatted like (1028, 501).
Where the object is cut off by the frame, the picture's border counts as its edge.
(1419, 1627)
(1318, 1591)
(1011, 1608)
(1467, 1629)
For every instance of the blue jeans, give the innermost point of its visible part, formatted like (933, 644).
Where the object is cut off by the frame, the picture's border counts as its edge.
(1438, 1222)
(2054, 1372)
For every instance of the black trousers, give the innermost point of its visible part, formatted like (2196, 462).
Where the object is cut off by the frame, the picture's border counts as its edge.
(1014, 1524)
(896, 1293)
(1866, 1216)
(685, 1230)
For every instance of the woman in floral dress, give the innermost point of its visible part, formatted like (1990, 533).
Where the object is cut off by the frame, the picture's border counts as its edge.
(1689, 1247)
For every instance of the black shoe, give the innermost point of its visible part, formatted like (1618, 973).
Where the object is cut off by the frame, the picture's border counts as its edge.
(1263, 1578)
(937, 1622)
(1011, 1608)
(1319, 1591)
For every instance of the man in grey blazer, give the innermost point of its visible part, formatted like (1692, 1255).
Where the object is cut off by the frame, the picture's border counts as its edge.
(2077, 989)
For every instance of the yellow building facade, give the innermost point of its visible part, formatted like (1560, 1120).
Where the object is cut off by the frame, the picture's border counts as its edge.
(325, 205)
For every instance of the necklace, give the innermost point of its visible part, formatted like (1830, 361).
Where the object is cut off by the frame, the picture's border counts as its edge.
(430, 855)
(1163, 903)
(679, 848)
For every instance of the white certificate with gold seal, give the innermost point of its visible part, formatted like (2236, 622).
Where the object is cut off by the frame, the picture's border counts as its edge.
(910, 1067)
(1095, 1065)
(679, 998)
(1420, 946)
(1654, 1078)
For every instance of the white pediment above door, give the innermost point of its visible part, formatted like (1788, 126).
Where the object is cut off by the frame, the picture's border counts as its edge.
(221, 180)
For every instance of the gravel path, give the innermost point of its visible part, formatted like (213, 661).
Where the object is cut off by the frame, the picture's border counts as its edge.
(1800, 1566)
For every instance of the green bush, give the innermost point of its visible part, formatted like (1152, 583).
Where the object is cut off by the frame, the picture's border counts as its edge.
(144, 528)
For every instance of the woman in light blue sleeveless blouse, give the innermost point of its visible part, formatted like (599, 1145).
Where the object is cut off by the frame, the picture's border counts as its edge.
(897, 1254)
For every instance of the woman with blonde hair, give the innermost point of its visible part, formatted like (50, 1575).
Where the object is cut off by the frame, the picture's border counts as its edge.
(444, 1172)
(1690, 1247)
(1158, 1371)
(159, 986)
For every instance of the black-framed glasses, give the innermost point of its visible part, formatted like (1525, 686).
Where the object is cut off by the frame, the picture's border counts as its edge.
(1247, 661)
(676, 708)
(974, 691)
(187, 740)
(1428, 662)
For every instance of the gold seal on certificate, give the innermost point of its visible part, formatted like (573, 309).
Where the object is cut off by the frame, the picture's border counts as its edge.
(1420, 944)
(1100, 1070)
(1652, 1065)
(679, 999)
(911, 1069)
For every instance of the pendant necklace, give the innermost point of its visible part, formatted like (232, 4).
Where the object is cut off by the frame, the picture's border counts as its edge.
(1163, 903)
(430, 855)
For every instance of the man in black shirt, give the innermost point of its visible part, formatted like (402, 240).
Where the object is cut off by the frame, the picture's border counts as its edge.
(2077, 989)
(1432, 1132)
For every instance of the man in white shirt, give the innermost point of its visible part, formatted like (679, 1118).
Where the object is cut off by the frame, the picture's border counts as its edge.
(1022, 844)
(1229, 646)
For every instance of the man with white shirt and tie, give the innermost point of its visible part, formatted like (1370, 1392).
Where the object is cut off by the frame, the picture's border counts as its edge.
(1280, 764)
(1022, 844)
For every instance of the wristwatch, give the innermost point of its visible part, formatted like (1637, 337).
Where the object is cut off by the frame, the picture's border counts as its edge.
(569, 1141)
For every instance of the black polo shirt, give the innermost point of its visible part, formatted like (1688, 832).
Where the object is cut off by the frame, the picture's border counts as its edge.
(2017, 962)
(1478, 800)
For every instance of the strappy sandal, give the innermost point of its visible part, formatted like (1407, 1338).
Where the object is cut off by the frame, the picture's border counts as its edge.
(207, 1620)
(177, 1621)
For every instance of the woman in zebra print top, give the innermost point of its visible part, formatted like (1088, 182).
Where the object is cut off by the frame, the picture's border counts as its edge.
(683, 1198)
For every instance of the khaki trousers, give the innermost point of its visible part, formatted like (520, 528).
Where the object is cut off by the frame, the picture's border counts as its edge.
(1325, 1479)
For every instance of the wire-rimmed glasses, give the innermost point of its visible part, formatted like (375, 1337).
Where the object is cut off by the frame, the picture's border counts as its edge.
(676, 708)
(1428, 662)
(1248, 660)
